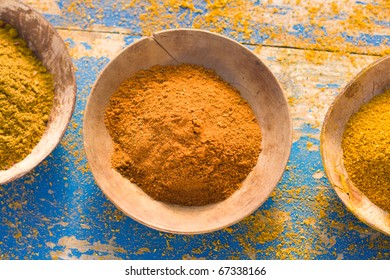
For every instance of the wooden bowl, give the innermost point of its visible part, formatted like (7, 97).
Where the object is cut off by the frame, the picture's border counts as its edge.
(238, 66)
(370, 82)
(49, 47)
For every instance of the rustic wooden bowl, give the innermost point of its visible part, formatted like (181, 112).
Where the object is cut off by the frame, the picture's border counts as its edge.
(370, 82)
(49, 47)
(234, 63)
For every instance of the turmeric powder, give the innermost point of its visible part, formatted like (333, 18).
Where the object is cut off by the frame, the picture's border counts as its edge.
(366, 150)
(182, 134)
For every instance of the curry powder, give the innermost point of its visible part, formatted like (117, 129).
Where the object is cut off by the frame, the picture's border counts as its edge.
(366, 150)
(26, 97)
(182, 134)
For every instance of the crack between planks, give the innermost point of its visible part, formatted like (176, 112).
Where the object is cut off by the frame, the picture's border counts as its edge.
(311, 49)
(244, 43)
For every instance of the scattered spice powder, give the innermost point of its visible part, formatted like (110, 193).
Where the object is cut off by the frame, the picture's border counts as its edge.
(182, 134)
(26, 97)
(366, 148)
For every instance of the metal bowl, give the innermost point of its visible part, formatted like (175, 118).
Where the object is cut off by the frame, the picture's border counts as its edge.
(236, 65)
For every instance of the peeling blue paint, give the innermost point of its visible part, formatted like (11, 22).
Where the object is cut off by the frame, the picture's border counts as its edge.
(86, 45)
(335, 86)
(60, 198)
(367, 39)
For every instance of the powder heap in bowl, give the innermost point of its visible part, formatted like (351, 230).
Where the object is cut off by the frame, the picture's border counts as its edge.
(366, 150)
(182, 134)
(26, 98)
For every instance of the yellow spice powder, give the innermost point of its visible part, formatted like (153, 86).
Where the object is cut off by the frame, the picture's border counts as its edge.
(366, 149)
(26, 97)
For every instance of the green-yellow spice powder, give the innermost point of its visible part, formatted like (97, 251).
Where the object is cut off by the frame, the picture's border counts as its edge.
(366, 150)
(26, 97)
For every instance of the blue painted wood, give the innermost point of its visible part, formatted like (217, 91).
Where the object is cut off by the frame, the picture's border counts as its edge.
(57, 211)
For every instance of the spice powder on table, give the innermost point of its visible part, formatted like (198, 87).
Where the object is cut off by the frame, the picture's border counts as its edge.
(366, 150)
(26, 97)
(182, 134)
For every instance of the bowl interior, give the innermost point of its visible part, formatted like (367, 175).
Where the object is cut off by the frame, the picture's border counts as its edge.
(49, 47)
(370, 82)
(238, 66)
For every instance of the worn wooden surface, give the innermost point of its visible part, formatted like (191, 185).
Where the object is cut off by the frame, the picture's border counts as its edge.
(314, 48)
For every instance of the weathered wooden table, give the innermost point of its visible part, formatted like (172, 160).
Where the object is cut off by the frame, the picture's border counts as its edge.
(313, 47)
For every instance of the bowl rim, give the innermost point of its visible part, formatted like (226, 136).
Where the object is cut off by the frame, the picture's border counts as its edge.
(289, 134)
(5, 179)
(324, 158)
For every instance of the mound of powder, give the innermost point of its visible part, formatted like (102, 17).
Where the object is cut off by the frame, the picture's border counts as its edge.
(366, 150)
(26, 97)
(182, 134)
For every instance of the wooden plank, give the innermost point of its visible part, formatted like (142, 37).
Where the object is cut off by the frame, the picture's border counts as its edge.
(57, 211)
(343, 26)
